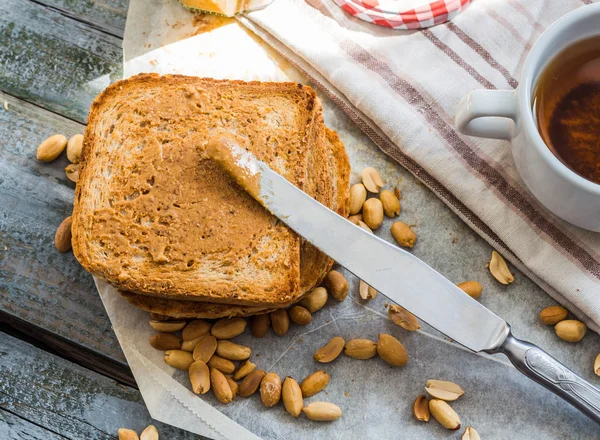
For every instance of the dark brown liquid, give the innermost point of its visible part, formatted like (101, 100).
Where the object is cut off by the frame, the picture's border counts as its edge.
(567, 107)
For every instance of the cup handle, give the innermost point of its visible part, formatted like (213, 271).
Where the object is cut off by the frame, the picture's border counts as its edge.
(488, 114)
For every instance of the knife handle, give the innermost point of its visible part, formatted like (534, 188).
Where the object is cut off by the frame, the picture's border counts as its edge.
(539, 366)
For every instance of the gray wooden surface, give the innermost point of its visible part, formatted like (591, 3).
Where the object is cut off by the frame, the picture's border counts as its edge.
(45, 397)
(55, 57)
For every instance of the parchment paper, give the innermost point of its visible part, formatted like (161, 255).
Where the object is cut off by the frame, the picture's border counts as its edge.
(375, 398)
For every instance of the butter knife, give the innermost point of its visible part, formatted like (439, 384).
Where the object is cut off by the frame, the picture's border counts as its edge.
(400, 276)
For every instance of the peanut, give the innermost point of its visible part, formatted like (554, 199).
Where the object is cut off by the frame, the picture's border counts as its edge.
(373, 213)
(403, 234)
(358, 195)
(259, 325)
(280, 321)
(270, 390)
(251, 383)
(63, 236)
(300, 315)
(165, 341)
(337, 285)
(391, 204)
(51, 148)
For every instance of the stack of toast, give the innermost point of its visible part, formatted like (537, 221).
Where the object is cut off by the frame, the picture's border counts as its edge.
(160, 221)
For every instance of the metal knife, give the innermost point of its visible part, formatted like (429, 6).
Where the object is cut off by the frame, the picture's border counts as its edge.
(400, 276)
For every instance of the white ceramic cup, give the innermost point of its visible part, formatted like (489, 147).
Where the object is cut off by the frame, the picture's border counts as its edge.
(508, 114)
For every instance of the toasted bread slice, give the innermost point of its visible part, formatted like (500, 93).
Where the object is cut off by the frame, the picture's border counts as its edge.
(185, 309)
(154, 215)
(319, 185)
(339, 168)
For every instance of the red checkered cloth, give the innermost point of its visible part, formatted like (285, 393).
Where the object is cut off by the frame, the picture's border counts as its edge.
(395, 14)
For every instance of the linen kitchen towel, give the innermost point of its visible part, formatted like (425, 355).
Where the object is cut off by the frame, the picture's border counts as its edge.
(403, 87)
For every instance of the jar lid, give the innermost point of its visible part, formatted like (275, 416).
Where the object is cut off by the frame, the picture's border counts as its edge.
(404, 14)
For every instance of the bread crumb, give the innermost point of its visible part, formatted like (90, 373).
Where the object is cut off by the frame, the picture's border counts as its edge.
(5, 105)
(346, 393)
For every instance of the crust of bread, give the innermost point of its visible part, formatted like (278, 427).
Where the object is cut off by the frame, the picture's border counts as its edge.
(140, 156)
(339, 168)
(183, 309)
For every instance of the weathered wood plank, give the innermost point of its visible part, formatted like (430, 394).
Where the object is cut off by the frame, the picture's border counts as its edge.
(65, 398)
(54, 61)
(108, 16)
(40, 286)
(14, 427)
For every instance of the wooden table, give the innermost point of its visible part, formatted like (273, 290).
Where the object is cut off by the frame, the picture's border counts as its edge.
(62, 373)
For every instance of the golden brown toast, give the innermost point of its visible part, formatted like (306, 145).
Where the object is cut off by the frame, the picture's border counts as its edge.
(154, 215)
(339, 169)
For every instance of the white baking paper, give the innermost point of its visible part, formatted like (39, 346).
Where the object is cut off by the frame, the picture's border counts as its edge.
(375, 398)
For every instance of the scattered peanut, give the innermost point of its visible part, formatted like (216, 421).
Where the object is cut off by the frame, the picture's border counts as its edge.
(228, 328)
(232, 351)
(220, 386)
(244, 369)
(280, 321)
(165, 341)
(167, 326)
(150, 433)
(391, 350)
(270, 390)
(403, 234)
(403, 318)
(74, 147)
(63, 236)
(471, 288)
(337, 285)
(597, 365)
(127, 434)
(300, 315)
(358, 195)
(199, 377)
(322, 411)
(570, 330)
(553, 315)
(421, 408)
(470, 434)
(444, 414)
(371, 179)
(373, 213)
(190, 345)
(205, 348)
(397, 193)
(444, 390)
(365, 291)
(195, 329)
(179, 359)
(291, 395)
(331, 351)
(391, 204)
(221, 364)
(315, 300)
(360, 348)
(251, 383)
(259, 325)
(314, 383)
(234, 387)
(499, 269)
(72, 172)
(51, 148)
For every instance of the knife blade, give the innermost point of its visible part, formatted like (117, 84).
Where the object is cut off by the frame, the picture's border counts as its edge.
(399, 275)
